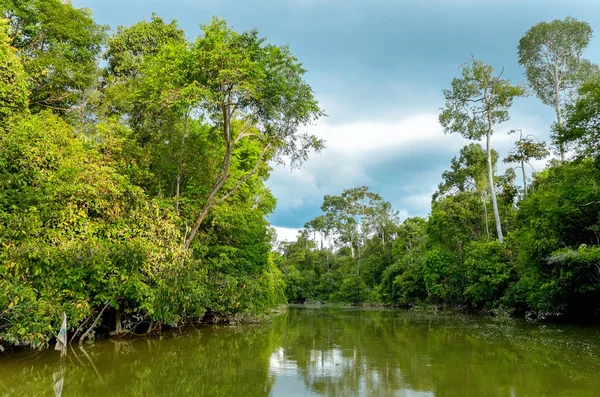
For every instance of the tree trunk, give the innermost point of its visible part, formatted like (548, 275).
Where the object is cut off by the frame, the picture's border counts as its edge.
(224, 175)
(491, 169)
(358, 259)
(487, 226)
(212, 200)
(118, 323)
(524, 177)
(492, 187)
(563, 155)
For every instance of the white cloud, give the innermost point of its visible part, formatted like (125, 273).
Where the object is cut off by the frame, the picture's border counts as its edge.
(286, 233)
(351, 149)
(403, 159)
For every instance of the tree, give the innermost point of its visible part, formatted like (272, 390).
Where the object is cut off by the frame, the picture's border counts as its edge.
(582, 125)
(262, 86)
(551, 53)
(58, 45)
(476, 103)
(13, 81)
(525, 150)
(468, 173)
(128, 48)
(139, 77)
(354, 215)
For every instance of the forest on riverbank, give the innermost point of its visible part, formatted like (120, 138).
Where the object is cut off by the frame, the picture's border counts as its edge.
(132, 170)
(133, 165)
(513, 243)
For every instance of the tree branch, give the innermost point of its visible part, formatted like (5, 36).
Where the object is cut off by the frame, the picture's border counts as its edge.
(85, 335)
(245, 177)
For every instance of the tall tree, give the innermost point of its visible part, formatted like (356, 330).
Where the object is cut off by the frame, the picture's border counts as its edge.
(13, 81)
(468, 173)
(58, 45)
(129, 46)
(244, 78)
(551, 53)
(358, 214)
(133, 80)
(525, 150)
(476, 103)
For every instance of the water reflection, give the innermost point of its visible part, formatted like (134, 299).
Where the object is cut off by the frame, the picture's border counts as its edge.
(385, 353)
(327, 352)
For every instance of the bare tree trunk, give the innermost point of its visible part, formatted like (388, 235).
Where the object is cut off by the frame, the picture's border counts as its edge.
(358, 259)
(118, 323)
(491, 169)
(492, 187)
(524, 177)
(557, 108)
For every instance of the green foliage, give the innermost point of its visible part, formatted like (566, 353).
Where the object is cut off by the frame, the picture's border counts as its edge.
(561, 214)
(477, 100)
(94, 220)
(551, 53)
(128, 47)
(13, 81)
(443, 277)
(468, 172)
(582, 126)
(58, 45)
(488, 272)
(352, 290)
(74, 231)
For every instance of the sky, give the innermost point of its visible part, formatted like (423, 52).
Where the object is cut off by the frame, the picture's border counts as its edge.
(378, 69)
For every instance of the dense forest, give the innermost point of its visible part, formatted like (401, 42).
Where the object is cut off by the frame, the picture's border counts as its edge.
(132, 170)
(133, 165)
(490, 244)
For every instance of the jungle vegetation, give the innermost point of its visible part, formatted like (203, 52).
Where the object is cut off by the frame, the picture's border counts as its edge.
(132, 184)
(489, 244)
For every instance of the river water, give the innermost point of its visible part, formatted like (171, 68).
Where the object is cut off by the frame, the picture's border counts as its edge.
(326, 351)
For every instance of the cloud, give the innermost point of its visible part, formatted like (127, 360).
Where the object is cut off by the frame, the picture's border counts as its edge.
(286, 233)
(402, 160)
(388, 157)
(378, 69)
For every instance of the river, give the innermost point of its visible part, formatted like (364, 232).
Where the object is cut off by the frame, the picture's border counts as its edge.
(326, 351)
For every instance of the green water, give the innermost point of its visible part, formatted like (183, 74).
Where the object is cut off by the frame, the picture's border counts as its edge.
(327, 351)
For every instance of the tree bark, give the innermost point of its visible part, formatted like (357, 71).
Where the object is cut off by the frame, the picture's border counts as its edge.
(491, 169)
(358, 260)
(492, 187)
(563, 156)
(524, 177)
(223, 176)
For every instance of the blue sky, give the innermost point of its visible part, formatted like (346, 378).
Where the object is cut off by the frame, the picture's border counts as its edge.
(377, 68)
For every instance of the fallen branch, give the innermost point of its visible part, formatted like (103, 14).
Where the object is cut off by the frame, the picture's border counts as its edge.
(85, 335)
(80, 328)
